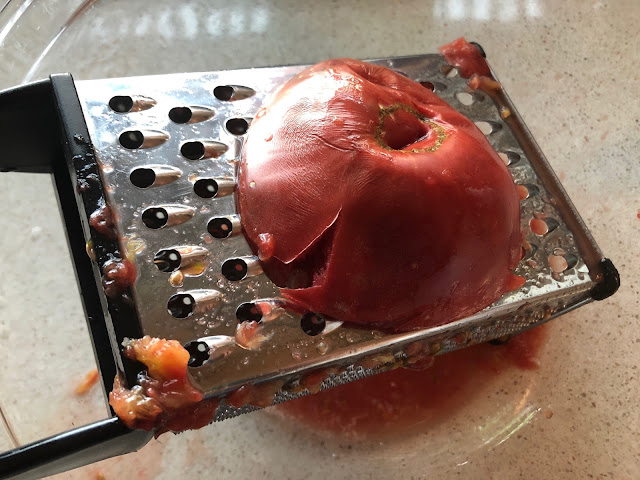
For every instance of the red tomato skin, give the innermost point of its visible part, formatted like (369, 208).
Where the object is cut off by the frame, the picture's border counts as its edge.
(466, 58)
(397, 239)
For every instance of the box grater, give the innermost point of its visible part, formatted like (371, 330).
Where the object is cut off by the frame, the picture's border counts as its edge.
(145, 170)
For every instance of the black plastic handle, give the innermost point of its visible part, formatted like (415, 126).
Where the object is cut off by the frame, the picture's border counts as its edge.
(43, 130)
(75, 448)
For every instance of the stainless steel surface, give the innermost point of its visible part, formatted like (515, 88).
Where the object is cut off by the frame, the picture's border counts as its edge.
(289, 351)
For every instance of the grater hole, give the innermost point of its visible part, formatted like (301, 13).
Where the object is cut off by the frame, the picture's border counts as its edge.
(572, 260)
(248, 312)
(167, 260)
(132, 139)
(206, 188)
(465, 98)
(181, 305)
(400, 72)
(234, 269)
(230, 93)
(220, 227)
(509, 157)
(192, 150)
(552, 224)
(155, 217)
(312, 324)
(223, 92)
(532, 189)
(449, 71)
(487, 128)
(429, 86)
(180, 114)
(539, 227)
(543, 226)
(434, 86)
(527, 191)
(237, 126)
(559, 260)
(557, 263)
(121, 103)
(143, 177)
(198, 353)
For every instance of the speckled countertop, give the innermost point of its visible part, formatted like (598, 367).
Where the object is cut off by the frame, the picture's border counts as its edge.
(572, 72)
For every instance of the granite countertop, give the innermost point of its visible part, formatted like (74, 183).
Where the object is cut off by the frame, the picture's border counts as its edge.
(570, 68)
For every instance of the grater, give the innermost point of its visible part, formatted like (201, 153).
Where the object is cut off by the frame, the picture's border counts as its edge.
(145, 170)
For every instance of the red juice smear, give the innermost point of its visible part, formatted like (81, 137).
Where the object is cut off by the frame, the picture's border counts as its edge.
(399, 399)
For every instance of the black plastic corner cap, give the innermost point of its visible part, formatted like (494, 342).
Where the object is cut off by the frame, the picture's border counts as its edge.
(610, 281)
(479, 47)
(28, 128)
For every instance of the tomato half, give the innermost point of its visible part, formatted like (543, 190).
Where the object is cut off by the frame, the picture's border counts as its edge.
(381, 204)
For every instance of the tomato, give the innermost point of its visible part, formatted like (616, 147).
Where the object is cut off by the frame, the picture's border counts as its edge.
(466, 58)
(165, 398)
(89, 380)
(382, 205)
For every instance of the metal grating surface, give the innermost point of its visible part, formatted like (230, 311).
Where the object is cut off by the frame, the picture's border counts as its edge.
(289, 351)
